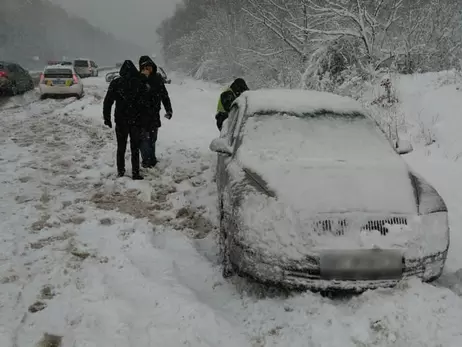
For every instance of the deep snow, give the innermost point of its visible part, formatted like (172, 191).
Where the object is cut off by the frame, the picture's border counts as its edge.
(112, 262)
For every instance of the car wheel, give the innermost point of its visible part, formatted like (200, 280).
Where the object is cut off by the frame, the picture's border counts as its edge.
(228, 269)
(14, 89)
(43, 96)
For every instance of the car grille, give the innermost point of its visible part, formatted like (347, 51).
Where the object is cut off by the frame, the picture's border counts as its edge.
(340, 226)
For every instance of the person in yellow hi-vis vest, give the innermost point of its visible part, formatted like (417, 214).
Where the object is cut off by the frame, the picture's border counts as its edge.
(226, 99)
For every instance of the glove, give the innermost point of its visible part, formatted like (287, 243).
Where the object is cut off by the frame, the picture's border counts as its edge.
(108, 123)
(168, 115)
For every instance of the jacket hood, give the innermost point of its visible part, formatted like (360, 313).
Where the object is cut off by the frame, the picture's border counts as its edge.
(239, 86)
(147, 61)
(128, 69)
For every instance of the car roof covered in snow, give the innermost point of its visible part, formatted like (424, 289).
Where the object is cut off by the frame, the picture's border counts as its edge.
(59, 67)
(300, 102)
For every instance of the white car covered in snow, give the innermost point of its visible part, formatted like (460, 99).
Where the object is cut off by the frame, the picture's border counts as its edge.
(312, 194)
(60, 80)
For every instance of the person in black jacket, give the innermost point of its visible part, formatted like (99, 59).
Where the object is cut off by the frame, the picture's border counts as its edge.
(227, 98)
(157, 94)
(128, 93)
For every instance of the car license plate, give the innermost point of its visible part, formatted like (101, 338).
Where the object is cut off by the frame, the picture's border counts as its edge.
(361, 264)
(59, 82)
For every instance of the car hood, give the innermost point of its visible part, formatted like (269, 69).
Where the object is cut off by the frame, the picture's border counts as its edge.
(323, 186)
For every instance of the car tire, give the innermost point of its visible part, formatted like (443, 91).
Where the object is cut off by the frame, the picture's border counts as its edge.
(14, 89)
(43, 97)
(228, 269)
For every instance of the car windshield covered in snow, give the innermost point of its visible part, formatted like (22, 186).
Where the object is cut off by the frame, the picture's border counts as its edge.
(313, 137)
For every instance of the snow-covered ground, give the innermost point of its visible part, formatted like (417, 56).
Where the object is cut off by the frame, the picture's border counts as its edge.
(101, 261)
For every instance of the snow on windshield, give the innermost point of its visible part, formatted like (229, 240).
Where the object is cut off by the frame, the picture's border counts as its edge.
(283, 137)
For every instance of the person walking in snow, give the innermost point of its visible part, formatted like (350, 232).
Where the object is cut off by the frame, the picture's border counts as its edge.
(127, 91)
(227, 98)
(156, 94)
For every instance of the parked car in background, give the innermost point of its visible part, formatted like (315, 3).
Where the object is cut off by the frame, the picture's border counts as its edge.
(59, 62)
(60, 80)
(114, 74)
(86, 68)
(313, 195)
(14, 79)
(111, 75)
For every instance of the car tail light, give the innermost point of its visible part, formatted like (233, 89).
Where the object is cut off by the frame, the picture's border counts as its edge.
(3, 74)
(42, 78)
(75, 78)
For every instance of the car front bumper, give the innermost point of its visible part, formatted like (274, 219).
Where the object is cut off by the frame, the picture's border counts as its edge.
(307, 274)
(76, 89)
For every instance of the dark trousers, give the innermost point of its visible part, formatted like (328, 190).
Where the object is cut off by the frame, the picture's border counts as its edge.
(148, 147)
(220, 117)
(122, 133)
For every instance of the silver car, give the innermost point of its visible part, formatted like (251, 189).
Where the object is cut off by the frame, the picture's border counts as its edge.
(86, 68)
(312, 194)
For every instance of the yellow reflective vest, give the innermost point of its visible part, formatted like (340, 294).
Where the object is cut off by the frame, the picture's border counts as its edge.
(220, 107)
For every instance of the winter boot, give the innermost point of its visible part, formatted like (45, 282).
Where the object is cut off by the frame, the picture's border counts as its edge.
(137, 177)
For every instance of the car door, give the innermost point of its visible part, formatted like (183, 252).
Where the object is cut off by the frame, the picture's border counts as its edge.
(25, 78)
(231, 134)
(13, 75)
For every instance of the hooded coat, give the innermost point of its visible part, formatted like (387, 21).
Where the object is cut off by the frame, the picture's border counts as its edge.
(128, 92)
(156, 94)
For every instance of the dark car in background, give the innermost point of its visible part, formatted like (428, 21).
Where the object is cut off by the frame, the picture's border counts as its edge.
(14, 79)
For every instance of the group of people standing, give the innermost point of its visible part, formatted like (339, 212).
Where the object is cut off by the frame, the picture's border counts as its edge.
(138, 95)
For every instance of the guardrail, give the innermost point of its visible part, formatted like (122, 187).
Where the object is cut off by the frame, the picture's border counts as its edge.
(36, 74)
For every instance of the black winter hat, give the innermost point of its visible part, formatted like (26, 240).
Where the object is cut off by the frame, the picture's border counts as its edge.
(146, 60)
(239, 86)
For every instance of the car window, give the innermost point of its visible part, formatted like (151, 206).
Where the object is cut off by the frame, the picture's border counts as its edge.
(12, 68)
(58, 73)
(81, 63)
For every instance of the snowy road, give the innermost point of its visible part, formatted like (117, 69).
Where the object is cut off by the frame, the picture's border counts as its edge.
(110, 262)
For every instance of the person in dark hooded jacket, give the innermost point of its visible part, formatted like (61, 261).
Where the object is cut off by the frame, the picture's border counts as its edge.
(128, 92)
(227, 98)
(157, 94)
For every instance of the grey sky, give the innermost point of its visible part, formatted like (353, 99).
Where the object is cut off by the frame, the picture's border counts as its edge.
(135, 20)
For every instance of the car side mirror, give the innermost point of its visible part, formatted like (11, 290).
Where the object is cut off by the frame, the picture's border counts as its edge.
(220, 146)
(404, 147)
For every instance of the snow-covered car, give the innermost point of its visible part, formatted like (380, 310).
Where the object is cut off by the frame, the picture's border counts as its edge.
(60, 80)
(312, 194)
(111, 75)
